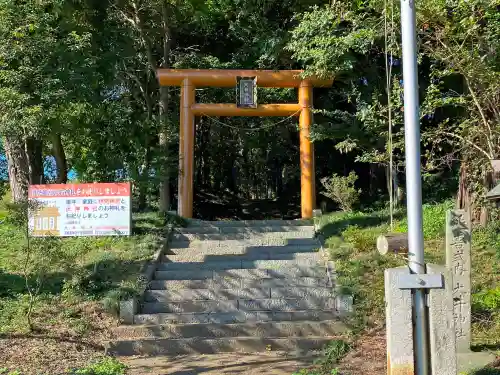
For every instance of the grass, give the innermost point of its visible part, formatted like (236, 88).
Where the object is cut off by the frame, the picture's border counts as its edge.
(332, 354)
(103, 268)
(104, 366)
(351, 238)
(80, 281)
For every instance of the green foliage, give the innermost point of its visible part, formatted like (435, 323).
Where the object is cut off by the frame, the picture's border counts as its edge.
(7, 372)
(106, 366)
(342, 190)
(487, 300)
(434, 220)
(69, 271)
(175, 221)
(488, 237)
(316, 372)
(322, 40)
(331, 355)
(486, 371)
(334, 352)
(362, 240)
(350, 238)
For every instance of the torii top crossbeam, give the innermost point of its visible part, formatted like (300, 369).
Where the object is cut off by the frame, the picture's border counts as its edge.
(227, 78)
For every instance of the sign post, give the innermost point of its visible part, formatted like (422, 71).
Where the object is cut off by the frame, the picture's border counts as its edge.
(414, 180)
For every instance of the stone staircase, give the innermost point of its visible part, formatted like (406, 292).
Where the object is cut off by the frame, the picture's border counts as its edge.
(236, 287)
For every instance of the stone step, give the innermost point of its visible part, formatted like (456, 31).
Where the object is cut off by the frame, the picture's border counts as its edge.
(249, 223)
(188, 256)
(238, 283)
(279, 273)
(222, 250)
(249, 230)
(255, 329)
(248, 236)
(230, 244)
(264, 304)
(236, 264)
(215, 345)
(234, 294)
(235, 317)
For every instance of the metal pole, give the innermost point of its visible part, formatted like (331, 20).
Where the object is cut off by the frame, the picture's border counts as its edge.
(414, 180)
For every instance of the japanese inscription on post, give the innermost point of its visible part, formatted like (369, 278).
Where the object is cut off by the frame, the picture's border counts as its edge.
(458, 261)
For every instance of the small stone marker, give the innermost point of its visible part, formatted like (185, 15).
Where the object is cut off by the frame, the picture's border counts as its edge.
(128, 309)
(441, 325)
(458, 261)
(398, 312)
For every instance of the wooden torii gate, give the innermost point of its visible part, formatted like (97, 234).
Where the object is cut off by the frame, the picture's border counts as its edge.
(190, 79)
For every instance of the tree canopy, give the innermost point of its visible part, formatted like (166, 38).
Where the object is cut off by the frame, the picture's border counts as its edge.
(78, 86)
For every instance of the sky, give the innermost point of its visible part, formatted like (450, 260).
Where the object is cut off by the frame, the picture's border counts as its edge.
(49, 169)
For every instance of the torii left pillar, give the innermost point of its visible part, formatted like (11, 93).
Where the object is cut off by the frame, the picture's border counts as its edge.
(189, 79)
(186, 150)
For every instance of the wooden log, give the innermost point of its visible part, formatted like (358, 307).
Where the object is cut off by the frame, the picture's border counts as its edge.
(396, 243)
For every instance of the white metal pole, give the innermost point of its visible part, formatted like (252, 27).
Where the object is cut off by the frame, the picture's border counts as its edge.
(414, 180)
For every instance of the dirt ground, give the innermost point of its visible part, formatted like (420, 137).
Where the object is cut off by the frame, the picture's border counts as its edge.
(55, 348)
(224, 364)
(56, 353)
(368, 358)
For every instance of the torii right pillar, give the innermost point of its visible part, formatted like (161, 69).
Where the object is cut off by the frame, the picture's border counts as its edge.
(307, 176)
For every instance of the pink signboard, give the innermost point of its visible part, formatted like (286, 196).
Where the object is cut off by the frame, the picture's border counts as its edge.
(100, 209)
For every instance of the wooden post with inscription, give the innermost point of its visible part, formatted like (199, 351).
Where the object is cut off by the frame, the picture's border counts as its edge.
(458, 261)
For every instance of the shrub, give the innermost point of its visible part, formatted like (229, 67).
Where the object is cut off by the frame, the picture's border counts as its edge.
(342, 190)
(488, 237)
(434, 220)
(487, 300)
(4, 371)
(175, 221)
(335, 351)
(106, 366)
(361, 239)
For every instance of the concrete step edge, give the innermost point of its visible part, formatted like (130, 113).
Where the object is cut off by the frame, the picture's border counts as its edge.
(166, 346)
(246, 223)
(187, 243)
(197, 257)
(241, 283)
(242, 305)
(243, 229)
(237, 317)
(257, 273)
(250, 238)
(188, 294)
(238, 264)
(271, 329)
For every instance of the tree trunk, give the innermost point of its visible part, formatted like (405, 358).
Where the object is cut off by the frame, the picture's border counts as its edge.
(60, 156)
(18, 169)
(395, 186)
(463, 195)
(205, 156)
(35, 162)
(485, 212)
(144, 179)
(164, 127)
(373, 176)
(396, 243)
(164, 147)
